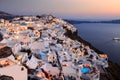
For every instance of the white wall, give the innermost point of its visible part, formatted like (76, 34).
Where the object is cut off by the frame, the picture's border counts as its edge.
(14, 71)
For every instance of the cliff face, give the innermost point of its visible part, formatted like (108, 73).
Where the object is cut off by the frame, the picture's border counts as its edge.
(112, 72)
(74, 36)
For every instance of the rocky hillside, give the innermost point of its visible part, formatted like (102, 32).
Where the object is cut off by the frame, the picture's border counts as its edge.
(4, 15)
(50, 25)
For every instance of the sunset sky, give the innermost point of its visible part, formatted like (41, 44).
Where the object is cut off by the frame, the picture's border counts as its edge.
(83, 9)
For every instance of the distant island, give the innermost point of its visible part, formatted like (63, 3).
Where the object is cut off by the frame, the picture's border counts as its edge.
(81, 21)
(7, 16)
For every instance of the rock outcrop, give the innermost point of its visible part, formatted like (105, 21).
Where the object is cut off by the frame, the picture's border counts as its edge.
(4, 77)
(1, 37)
(5, 52)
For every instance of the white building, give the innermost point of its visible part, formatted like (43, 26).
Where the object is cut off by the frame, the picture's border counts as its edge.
(9, 68)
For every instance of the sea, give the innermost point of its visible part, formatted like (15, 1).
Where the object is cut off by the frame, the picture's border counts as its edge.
(101, 35)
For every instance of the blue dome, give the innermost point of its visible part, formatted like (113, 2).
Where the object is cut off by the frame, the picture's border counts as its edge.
(85, 70)
(42, 54)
